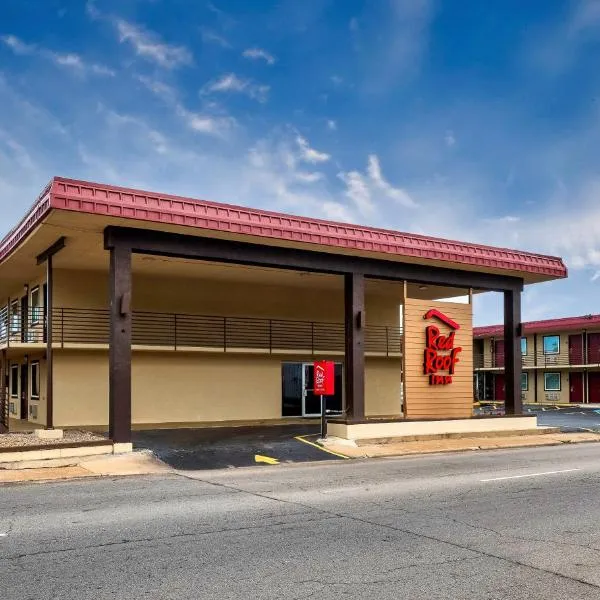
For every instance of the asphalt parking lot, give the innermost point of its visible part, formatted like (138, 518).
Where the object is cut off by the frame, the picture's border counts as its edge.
(569, 419)
(228, 447)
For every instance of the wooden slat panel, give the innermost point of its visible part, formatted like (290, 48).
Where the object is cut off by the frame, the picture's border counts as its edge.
(437, 401)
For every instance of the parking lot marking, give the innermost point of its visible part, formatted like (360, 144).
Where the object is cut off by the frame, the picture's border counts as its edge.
(259, 458)
(301, 438)
(529, 475)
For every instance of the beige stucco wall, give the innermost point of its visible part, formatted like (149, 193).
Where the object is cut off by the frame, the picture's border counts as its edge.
(383, 387)
(543, 396)
(89, 289)
(169, 387)
(529, 395)
(40, 403)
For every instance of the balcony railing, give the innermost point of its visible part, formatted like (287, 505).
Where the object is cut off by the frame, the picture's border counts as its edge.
(75, 326)
(496, 361)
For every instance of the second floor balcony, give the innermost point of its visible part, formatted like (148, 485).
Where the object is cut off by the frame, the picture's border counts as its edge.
(89, 328)
(540, 360)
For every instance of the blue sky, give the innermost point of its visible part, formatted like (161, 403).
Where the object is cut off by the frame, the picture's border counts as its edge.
(471, 120)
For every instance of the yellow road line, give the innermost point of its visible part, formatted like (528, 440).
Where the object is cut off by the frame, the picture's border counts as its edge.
(300, 438)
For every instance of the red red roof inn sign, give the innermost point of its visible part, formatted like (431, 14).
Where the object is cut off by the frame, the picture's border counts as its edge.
(440, 354)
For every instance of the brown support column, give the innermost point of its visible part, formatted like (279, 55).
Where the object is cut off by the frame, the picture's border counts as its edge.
(49, 355)
(513, 404)
(354, 374)
(46, 256)
(119, 376)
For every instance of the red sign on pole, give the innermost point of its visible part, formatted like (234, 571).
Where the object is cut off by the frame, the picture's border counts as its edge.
(324, 378)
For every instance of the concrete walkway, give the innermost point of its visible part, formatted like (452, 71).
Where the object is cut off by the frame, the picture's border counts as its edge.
(135, 463)
(457, 445)
(146, 463)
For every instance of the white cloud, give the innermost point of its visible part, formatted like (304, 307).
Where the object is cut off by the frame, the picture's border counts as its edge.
(148, 45)
(595, 276)
(219, 126)
(210, 37)
(102, 70)
(380, 183)
(309, 177)
(231, 83)
(158, 88)
(359, 193)
(336, 79)
(69, 60)
(331, 125)
(259, 54)
(17, 45)
(449, 138)
(308, 154)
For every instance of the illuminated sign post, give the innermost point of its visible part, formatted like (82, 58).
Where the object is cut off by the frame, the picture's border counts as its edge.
(441, 355)
(324, 385)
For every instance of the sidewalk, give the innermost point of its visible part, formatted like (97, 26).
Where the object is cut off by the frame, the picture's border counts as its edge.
(400, 448)
(135, 463)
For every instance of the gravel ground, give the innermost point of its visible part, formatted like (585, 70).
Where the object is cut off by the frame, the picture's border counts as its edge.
(19, 440)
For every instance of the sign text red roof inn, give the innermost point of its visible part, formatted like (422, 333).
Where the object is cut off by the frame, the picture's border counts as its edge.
(107, 200)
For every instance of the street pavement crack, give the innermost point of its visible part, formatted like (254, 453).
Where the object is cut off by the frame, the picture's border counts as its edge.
(175, 536)
(397, 529)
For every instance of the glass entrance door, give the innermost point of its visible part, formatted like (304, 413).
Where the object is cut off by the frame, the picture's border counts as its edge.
(298, 398)
(311, 404)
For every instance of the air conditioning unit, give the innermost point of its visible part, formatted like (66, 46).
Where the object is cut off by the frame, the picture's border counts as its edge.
(552, 396)
(552, 359)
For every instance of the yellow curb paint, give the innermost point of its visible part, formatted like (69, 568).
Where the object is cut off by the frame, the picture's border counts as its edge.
(259, 458)
(300, 438)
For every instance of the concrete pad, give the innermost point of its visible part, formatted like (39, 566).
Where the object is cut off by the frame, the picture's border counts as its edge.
(137, 463)
(45, 474)
(462, 444)
(49, 434)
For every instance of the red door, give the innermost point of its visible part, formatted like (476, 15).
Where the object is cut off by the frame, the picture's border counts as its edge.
(594, 387)
(594, 348)
(575, 350)
(499, 387)
(499, 354)
(576, 387)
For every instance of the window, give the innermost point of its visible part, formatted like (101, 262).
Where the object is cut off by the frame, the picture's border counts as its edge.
(15, 318)
(36, 305)
(551, 344)
(523, 346)
(35, 380)
(524, 382)
(14, 381)
(552, 382)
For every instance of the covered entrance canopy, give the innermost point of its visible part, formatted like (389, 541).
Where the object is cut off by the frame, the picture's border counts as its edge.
(75, 224)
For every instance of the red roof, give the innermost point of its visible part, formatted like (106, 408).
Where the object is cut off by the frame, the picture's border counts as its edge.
(107, 200)
(567, 323)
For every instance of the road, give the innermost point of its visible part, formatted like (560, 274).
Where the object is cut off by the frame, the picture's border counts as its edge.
(494, 525)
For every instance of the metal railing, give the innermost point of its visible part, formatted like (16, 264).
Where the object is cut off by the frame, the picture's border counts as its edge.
(577, 358)
(75, 326)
